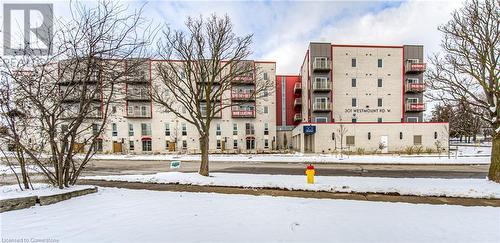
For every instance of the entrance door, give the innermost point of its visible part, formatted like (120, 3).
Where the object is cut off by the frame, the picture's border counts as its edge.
(384, 144)
(117, 147)
(171, 146)
(250, 143)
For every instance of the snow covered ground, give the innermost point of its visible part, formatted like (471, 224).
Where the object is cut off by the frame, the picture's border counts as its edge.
(308, 158)
(122, 215)
(6, 170)
(473, 188)
(40, 189)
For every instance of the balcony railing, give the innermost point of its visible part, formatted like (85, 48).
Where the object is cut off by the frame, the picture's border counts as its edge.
(414, 87)
(243, 95)
(138, 79)
(138, 97)
(297, 87)
(297, 102)
(244, 79)
(243, 113)
(322, 86)
(139, 114)
(412, 67)
(415, 107)
(322, 106)
(321, 65)
(297, 117)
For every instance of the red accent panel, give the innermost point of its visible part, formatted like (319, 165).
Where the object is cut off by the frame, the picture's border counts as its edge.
(403, 86)
(287, 83)
(367, 46)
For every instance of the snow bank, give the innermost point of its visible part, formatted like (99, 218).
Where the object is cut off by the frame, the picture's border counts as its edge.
(468, 188)
(308, 158)
(6, 170)
(40, 189)
(122, 215)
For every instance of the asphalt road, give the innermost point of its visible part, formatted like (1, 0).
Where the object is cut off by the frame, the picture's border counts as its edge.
(107, 167)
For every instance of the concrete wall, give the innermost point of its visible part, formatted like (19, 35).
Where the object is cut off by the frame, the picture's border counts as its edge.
(322, 140)
(367, 91)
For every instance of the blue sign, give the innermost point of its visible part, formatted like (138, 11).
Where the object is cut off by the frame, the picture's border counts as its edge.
(309, 130)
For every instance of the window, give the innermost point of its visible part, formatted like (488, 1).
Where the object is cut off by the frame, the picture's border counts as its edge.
(435, 135)
(130, 130)
(412, 100)
(354, 120)
(184, 144)
(353, 62)
(266, 143)
(184, 129)
(146, 129)
(249, 128)
(113, 109)
(167, 129)
(266, 109)
(265, 76)
(144, 111)
(266, 129)
(235, 128)
(95, 129)
(321, 119)
(130, 110)
(379, 83)
(379, 102)
(235, 144)
(265, 93)
(131, 145)
(353, 82)
(349, 140)
(147, 145)
(379, 63)
(401, 135)
(218, 144)
(412, 119)
(354, 102)
(369, 135)
(417, 140)
(379, 120)
(114, 132)
(217, 130)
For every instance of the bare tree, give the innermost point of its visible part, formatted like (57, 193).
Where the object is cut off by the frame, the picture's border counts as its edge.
(65, 97)
(208, 59)
(468, 69)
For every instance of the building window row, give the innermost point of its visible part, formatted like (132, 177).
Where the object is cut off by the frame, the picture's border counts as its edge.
(354, 62)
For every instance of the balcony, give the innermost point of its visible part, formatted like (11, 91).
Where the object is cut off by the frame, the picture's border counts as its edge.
(415, 67)
(322, 86)
(414, 107)
(244, 79)
(247, 95)
(297, 87)
(297, 102)
(322, 106)
(138, 97)
(297, 117)
(414, 87)
(321, 65)
(138, 79)
(243, 113)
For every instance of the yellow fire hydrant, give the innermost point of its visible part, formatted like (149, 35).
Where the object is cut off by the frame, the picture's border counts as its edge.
(310, 174)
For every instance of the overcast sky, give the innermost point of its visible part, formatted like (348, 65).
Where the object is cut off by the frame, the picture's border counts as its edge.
(282, 30)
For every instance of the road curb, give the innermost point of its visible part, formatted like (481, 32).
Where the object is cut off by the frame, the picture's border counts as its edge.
(374, 197)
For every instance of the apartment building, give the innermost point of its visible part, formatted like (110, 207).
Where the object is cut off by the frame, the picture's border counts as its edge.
(138, 125)
(362, 97)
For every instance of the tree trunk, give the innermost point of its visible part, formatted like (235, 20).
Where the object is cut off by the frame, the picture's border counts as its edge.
(204, 156)
(494, 172)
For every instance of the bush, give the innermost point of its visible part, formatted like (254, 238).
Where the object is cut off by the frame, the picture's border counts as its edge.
(419, 149)
(410, 150)
(360, 151)
(429, 150)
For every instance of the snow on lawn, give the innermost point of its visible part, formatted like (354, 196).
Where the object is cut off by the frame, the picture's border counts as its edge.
(40, 189)
(473, 188)
(307, 158)
(123, 215)
(6, 170)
